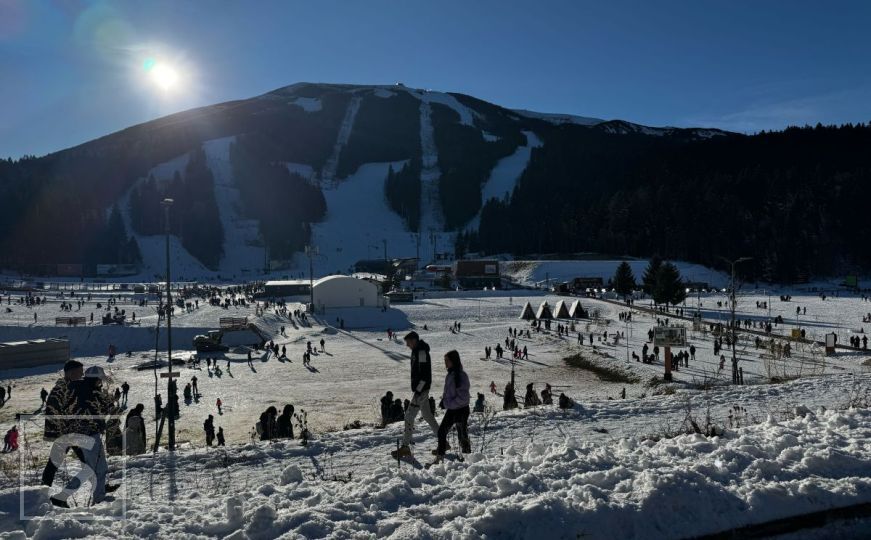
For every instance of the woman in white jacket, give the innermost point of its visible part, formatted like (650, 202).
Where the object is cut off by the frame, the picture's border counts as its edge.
(455, 399)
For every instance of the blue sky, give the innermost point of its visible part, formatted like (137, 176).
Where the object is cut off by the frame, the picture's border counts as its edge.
(72, 70)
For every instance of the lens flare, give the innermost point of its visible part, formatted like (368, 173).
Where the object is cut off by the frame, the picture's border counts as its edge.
(164, 76)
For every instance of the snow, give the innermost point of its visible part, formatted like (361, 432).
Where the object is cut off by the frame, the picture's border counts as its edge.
(153, 247)
(328, 173)
(557, 118)
(243, 250)
(383, 93)
(604, 468)
(506, 173)
(489, 137)
(541, 469)
(358, 220)
(429, 97)
(302, 169)
(537, 273)
(308, 104)
(431, 214)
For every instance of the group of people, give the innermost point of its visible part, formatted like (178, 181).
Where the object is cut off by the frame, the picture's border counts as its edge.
(455, 399)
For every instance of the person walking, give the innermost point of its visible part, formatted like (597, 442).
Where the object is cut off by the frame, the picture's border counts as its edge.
(194, 387)
(218, 404)
(43, 395)
(455, 400)
(125, 389)
(421, 380)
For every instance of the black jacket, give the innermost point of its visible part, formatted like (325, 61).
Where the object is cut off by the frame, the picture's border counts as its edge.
(60, 401)
(421, 367)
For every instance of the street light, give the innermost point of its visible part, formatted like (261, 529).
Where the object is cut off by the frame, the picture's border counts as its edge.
(170, 384)
(734, 333)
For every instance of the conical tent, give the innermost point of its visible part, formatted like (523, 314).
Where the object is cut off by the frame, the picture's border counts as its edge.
(561, 311)
(527, 313)
(576, 311)
(544, 311)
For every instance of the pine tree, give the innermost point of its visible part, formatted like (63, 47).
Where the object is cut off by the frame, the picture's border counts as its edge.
(624, 279)
(669, 288)
(648, 280)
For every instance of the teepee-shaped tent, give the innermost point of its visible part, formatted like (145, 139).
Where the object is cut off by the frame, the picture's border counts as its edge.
(527, 313)
(544, 311)
(561, 311)
(576, 311)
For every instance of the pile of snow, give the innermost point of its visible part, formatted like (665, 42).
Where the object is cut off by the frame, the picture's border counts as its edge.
(628, 487)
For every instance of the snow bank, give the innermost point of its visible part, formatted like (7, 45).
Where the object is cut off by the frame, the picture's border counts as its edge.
(627, 488)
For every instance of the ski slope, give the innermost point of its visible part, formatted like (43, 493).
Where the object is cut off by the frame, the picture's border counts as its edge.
(328, 172)
(243, 251)
(153, 247)
(431, 214)
(357, 223)
(505, 174)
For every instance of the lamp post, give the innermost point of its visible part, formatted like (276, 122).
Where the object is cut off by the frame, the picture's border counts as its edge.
(311, 252)
(734, 333)
(170, 384)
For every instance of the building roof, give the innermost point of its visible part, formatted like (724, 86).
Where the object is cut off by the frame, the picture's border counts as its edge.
(280, 283)
(337, 277)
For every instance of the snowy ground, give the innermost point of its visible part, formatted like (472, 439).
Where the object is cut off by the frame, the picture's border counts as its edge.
(531, 465)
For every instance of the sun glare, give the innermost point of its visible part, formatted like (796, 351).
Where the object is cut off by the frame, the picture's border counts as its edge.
(161, 74)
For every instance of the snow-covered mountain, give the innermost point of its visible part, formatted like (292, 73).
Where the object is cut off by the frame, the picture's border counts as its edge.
(455, 152)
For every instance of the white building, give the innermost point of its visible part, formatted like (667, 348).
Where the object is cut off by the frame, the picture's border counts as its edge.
(346, 291)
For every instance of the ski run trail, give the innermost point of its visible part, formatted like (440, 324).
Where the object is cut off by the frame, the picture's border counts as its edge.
(605, 468)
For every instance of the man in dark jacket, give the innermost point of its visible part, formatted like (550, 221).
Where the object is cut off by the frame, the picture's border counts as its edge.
(421, 380)
(60, 401)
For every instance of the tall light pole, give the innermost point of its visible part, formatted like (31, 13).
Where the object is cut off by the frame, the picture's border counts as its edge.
(311, 251)
(734, 333)
(170, 385)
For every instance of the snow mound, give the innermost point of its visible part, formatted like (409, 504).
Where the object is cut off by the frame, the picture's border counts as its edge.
(292, 474)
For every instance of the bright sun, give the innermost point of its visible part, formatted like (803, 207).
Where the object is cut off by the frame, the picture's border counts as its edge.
(162, 74)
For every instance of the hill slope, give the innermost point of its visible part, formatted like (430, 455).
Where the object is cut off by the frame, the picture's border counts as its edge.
(351, 167)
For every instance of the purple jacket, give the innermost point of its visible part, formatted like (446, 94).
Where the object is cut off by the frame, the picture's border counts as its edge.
(453, 396)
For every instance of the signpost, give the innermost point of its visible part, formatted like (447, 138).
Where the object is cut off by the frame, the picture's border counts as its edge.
(668, 337)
